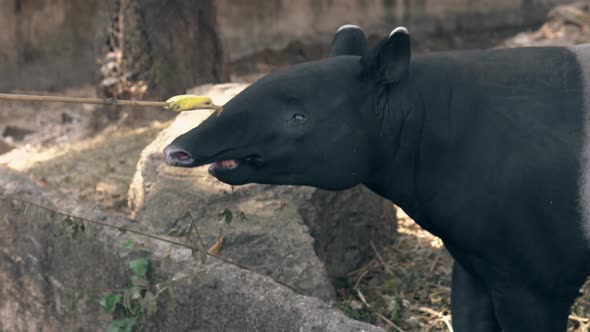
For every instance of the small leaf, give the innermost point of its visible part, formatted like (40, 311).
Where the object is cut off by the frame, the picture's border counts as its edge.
(126, 324)
(171, 231)
(150, 303)
(242, 216)
(160, 290)
(395, 310)
(216, 246)
(135, 307)
(109, 302)
(139, 281)
(135, 293)
(26, 209)
(129, 244)
(139, 266)
(226, 215)
(127, 299)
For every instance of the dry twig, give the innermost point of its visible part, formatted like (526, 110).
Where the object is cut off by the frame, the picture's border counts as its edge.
(190, 215)
(440, 316)
(380, 259)
(377, 314)
(387, 321)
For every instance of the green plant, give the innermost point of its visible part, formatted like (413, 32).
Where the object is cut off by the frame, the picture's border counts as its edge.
(396, 307)
(355, 310)
(227, 215)
(132, 304)
(72, 227)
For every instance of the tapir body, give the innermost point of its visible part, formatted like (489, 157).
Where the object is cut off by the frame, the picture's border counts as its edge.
(488, 150)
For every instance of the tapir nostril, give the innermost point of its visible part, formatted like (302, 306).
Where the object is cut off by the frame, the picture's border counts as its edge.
(181, 155)
(178, 157)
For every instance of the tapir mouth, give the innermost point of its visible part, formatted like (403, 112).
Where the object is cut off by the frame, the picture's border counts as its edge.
(226, 164)
(221, 162)
(230, 165)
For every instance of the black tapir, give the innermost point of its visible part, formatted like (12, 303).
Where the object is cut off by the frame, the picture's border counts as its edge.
(487, 149)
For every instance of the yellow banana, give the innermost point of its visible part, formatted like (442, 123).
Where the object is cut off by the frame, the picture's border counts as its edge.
(182, 103)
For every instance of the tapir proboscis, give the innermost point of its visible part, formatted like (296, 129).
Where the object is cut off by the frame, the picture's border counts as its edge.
(487, 149)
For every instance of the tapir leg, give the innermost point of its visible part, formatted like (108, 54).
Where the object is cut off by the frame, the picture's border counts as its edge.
(471, 304)
(520, 310)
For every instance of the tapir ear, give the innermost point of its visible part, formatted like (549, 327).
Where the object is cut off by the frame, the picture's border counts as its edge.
(349, 40)
(389, 61)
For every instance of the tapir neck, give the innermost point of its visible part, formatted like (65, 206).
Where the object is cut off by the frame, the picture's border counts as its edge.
(416, 135)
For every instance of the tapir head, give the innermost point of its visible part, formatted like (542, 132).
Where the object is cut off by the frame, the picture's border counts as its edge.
(314, 124)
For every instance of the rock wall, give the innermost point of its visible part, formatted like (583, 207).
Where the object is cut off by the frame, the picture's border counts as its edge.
(52, 277)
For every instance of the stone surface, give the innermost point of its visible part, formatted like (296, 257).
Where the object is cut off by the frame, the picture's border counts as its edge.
(302, 236)
(5, 147)
(52, 278)
(16, 133)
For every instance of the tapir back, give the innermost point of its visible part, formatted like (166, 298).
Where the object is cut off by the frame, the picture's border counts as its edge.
(582, 53)
(512, 178)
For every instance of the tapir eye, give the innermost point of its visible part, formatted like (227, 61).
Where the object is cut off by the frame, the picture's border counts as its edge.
(298, 118)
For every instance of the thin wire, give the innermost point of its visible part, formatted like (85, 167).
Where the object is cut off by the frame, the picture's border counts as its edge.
(107, 101)
(155, 237)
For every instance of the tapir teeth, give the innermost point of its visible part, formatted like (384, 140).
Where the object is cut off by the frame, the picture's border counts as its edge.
(227, 164)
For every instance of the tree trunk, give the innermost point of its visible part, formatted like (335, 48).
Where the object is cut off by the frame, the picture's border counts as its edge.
(156, 49)
(161, 48)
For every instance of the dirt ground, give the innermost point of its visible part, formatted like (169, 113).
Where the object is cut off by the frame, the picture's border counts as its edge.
(67, 148)
(409, 285)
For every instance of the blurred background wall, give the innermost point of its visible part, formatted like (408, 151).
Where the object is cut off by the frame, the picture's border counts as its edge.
(55, 44)
(50, 44)
(250, 26)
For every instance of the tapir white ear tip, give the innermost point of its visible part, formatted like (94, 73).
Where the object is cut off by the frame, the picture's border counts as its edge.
(348, 26)
(399, 30)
